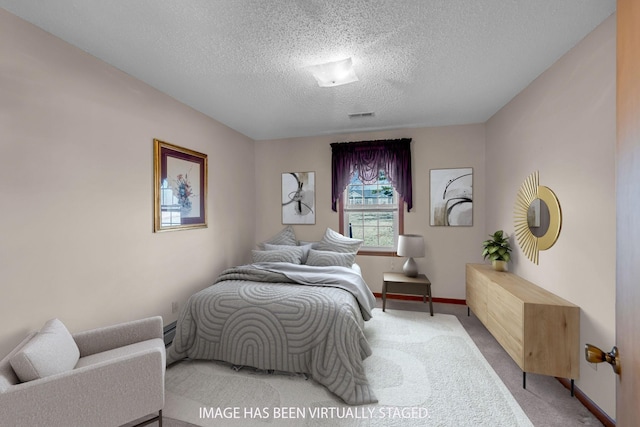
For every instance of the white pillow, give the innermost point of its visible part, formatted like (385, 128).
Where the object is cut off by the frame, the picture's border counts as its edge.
(334, 241)
(293, 255)
(286, 236)
(51, 351)
(330, 258)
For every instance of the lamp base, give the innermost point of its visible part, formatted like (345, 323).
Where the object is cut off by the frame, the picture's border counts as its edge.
(410, 268)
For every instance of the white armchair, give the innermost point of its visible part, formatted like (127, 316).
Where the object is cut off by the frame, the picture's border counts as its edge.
(118, 376)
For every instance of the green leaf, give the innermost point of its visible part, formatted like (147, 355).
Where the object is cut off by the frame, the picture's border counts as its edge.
(498, 247)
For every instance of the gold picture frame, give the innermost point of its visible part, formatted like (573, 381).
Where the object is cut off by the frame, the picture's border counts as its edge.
(180, 188)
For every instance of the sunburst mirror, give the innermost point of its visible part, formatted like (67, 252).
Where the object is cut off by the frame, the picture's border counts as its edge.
(537, 217)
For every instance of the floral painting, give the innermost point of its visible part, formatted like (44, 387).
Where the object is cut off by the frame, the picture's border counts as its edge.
(181, 187)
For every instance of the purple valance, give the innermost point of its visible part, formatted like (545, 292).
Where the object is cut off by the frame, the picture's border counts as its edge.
(393, 156)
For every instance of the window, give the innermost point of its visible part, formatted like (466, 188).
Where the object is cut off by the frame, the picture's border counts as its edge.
(169, 207)
(372, 212)
(370, 182)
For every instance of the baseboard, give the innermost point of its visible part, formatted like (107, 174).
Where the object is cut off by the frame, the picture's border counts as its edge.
(588, 403)
(169, 332)
(419, 298)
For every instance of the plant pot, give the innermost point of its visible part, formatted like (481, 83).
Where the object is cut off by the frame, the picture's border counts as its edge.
(499, 265)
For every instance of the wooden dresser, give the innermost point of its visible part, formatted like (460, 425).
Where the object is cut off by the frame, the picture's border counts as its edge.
(539, 330)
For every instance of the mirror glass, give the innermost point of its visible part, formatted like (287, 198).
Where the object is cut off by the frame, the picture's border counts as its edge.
(538, 217)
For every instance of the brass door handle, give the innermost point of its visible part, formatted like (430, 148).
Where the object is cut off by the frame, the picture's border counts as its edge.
(594, 355)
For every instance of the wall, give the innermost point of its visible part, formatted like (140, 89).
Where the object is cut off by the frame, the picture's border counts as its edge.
(447, 248)
(76, 238)
(563, 125)
(76, 186)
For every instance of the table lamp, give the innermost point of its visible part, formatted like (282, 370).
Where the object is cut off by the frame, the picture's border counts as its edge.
(411, 246)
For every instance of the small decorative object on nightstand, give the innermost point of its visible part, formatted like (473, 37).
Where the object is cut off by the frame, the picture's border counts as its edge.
(398, 283)
(411, 246)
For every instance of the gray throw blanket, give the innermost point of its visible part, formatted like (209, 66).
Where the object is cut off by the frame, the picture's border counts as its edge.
(283, 317)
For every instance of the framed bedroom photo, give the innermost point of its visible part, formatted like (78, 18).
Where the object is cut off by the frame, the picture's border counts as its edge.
(451, 197)
(298, 198)
(180, 187)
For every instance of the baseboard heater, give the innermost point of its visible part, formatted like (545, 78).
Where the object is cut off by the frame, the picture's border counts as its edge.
(169, 333)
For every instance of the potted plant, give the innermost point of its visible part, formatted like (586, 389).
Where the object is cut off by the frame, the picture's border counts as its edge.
(498, 250)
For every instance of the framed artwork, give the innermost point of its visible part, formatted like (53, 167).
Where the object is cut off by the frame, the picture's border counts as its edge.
(298, 198)
(180, 188)
(452, 197)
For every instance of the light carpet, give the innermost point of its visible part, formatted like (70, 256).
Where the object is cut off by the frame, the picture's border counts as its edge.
(425, 371)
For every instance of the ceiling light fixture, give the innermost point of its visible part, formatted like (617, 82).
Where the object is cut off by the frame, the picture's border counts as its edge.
(334, 73)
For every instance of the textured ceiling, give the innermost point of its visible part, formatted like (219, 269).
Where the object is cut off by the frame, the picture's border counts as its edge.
(242, 62)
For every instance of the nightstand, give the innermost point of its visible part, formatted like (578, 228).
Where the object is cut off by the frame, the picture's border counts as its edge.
(398, 283)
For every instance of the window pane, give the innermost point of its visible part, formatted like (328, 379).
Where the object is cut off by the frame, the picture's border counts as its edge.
(385, 194)
(370, 236)
(376, 227)
(357, 231)
(356, 217)
(387, 237)
(386, 219)
(354, 194)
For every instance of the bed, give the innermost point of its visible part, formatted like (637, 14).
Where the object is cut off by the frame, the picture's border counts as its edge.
(284, 316)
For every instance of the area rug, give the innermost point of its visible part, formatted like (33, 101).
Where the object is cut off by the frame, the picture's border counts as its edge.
(425, 371)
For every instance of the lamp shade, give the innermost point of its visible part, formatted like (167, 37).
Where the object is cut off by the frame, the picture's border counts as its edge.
(411, 245)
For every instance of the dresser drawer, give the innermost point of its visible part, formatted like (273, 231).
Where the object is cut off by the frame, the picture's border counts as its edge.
(539, 330)
(476, 290)
(512, 344)
(505, 321)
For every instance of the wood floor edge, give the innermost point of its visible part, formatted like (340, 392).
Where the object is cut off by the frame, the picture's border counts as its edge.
(588, 403)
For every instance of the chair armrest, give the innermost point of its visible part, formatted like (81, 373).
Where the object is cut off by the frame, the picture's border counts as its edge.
(109, 393)
(107, 338)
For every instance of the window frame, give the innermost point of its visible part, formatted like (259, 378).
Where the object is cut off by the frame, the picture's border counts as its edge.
(369, 252)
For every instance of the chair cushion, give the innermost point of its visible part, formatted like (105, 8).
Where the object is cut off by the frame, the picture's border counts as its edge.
(120, 352)
(8, 376)
(51, 351)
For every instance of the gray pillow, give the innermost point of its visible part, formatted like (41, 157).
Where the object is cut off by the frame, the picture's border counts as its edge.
(51, 351)
(293, 255)
(336, 242)
(314, 245)
(286, 236)
(330, 258)
(305, 249)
